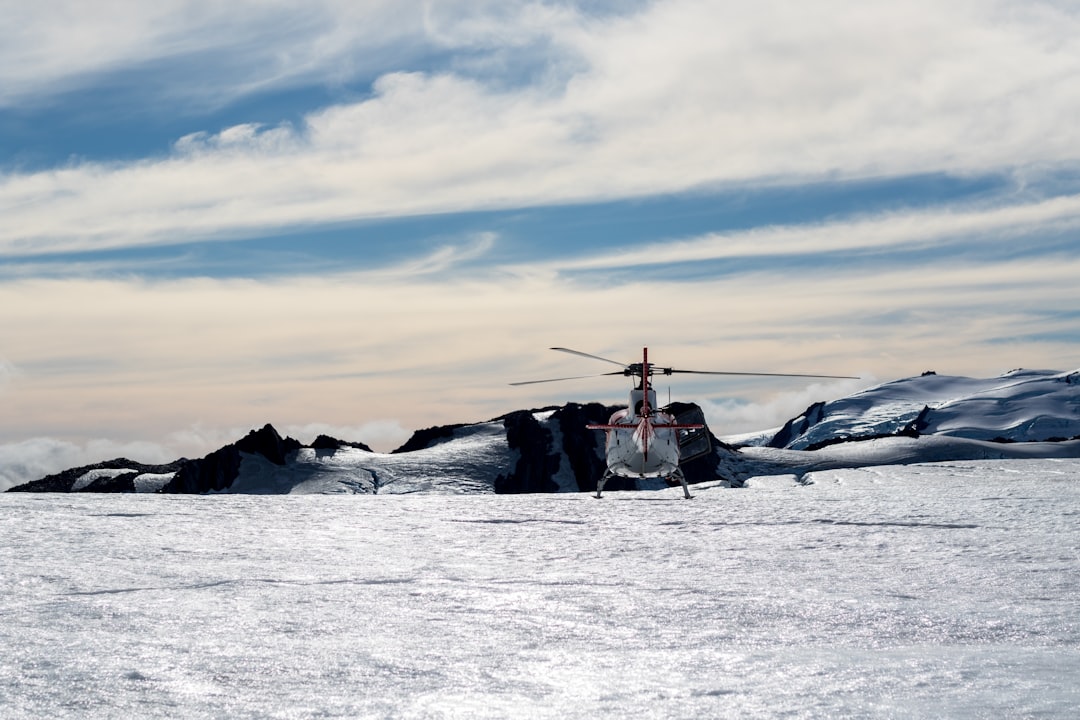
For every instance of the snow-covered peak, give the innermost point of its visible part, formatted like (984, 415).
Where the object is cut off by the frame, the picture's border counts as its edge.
(927, 418)
(1021, 405)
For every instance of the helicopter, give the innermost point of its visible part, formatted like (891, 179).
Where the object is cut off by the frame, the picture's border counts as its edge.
(643, 440)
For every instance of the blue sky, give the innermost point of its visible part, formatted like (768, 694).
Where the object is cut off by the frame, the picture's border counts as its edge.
(365, 218)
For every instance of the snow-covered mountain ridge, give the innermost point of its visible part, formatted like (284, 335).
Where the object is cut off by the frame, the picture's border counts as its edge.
(1019, 406)
(928, 418)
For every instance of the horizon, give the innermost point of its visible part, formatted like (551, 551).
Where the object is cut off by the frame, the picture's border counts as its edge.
(366, 220)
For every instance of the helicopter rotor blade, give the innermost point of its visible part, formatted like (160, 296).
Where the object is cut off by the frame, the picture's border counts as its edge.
(576, 377)
(594, 357)
(669, 371)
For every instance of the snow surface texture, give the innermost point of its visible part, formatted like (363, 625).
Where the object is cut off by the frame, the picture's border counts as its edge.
(946, 590)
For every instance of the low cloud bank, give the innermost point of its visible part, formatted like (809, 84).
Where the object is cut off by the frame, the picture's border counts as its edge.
(732, 416)
(37, 457)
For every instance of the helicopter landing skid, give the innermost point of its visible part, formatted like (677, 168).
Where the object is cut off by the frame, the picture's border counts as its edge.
(678, 475)
(600, 485)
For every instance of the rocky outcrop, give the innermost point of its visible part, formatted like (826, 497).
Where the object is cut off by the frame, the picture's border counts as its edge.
(215, 472)
(268, 443)
(797, 426)
(111, 476)
(325, 442)
(547, 444)
(219, 469)
(584, 448)
(423, 439)
(536, 464)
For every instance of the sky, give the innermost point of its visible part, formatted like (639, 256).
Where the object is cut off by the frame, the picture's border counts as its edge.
(365, 218)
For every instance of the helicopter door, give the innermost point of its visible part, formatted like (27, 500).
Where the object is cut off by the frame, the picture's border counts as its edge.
(693, 443)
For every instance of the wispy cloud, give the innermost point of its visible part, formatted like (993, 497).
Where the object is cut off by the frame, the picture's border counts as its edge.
(442, 347)
(442, 260)
(911, 230)
(460, 107)
(731, 416)
(676, 96)
(226, 50)
(7, 371)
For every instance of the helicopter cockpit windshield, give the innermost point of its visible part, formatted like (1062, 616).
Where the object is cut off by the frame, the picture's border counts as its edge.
(637, 400)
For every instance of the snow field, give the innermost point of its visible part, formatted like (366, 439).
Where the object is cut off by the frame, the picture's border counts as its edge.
(944, 590)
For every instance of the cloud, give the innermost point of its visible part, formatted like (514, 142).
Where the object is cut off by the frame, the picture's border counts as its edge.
(380, 435)
(908, 231)
(7, 372)
(38, 457)
(732, 416)
(135, 359)
(201, 52)
(512, 106)
(443, 259)
(675, 96)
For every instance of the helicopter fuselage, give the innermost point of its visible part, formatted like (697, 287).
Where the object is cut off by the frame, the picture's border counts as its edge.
(641, 447)
(642, 441)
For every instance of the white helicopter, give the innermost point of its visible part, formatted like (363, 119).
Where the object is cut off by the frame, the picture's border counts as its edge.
(643, 441)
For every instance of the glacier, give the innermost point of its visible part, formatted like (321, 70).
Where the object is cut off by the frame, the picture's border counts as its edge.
(924, 590)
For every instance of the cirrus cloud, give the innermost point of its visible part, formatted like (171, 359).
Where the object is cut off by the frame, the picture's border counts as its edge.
(678, 95)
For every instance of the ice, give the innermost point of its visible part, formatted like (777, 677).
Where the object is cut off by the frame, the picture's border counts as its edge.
(88, 477)
(940, 590)
(152, 482)
(1022, 405)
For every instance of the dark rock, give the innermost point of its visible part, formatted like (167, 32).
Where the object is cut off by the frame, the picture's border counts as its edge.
(536, 463)
(268, 443)
(325, 442)
(534, 471)
(797, 426)
(423, 439)
(584, 448)
(921, 422)
(117, 484)
(123, 483)
(218, 470)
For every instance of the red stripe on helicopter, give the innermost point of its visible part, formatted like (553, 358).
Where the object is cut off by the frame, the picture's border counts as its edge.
(634, 427)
